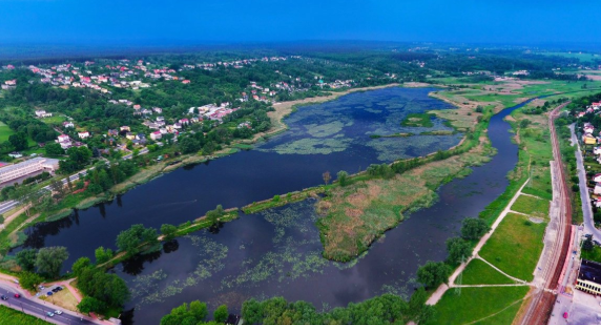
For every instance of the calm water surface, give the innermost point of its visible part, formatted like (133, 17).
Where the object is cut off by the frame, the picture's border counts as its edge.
(278, 252)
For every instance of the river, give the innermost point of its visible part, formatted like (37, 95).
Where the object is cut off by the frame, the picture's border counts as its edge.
(277, 252)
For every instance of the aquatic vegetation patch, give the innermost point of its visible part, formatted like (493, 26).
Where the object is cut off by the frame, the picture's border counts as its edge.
(418, 119)
(155, 287)
(325, 130)
(312, 146)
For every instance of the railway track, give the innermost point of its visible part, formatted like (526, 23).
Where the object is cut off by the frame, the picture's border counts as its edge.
(541, 305)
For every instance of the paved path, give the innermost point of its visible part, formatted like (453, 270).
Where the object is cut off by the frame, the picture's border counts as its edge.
(587, 210)
(443, 288)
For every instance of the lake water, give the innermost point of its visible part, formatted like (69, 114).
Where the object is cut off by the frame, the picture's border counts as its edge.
(278, 252)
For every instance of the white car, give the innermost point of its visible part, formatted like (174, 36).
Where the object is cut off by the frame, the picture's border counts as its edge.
(58, 312)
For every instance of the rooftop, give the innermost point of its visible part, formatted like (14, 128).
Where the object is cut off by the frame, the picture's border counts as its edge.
(590, 271)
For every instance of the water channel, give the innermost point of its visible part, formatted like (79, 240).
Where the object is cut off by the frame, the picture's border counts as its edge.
(277, 252)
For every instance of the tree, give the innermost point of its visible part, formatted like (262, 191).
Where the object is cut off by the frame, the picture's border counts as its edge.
(91, 304)
(473, 228)
(214, 215)
(588, 244)
(79, 157)
(1, 219)
(81, 264)
(252, 311)
(433, 274)
(189, 145)
(168, 230)
(26, 259)
(524, 123)
(50, 260)
(54, 149)
(58, 187)
(131, 239)
(418, 310)
(193, 315)
(458, 250)
(326, 177)
(220, 315)
(342, 177)
(198, 310)
(107, 288)
(18, 141)
(29, 280)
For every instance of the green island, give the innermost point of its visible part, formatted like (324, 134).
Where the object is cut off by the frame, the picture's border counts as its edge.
(418, 120)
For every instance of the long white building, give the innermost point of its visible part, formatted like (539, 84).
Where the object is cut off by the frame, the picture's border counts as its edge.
(13, 172)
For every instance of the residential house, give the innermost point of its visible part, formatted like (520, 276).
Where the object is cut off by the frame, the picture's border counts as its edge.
(156, 135)
(68, 124)
(83, 135)
(15, 155)
(597, 189)
(42, 113)
(597, 178)
(130, 136)
(598, 202)
(113, 133)
(125, 128)
(588, 139)
(184, 121)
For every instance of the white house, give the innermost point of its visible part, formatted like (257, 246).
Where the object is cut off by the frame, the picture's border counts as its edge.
(15, 154)
(598, 202)
(597, 189)
(156, 135)
(83, 135)
(68, 124)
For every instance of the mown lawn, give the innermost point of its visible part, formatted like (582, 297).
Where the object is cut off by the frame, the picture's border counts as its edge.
(476, 303)
(516, 236)
(530, 205)
(5, 132)
(12, 317)
(594, 255)
(478, 272)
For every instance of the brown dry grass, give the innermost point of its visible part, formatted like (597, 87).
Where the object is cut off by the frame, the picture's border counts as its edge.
(63, 299)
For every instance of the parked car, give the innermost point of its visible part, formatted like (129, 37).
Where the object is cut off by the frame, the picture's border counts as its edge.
(59, 288)
(50, 313)
(50, 293)
(58, 312)
(4, 297)
(55, 290)
(17, 295)
(565, 315)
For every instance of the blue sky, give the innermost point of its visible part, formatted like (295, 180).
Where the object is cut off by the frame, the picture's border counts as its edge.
(198, 21)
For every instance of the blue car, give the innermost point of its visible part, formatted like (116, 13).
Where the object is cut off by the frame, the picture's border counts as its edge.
(49, 293)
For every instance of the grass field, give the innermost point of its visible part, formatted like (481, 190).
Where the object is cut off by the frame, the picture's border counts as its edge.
(12, 317)
(533, 206)
(359, 213)
(594, 255)
(5, 132)
(583, 57)
(515, 236)
(478, 272)
(476, 303)
(54, 120)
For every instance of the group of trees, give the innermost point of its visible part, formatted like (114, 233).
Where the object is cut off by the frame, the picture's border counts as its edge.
(383, 171)
(194, 314)
(133, 239)
(47, 261)
(103, 176)
(102, 290)
(79, 158)
(459, 249)
(385, 309)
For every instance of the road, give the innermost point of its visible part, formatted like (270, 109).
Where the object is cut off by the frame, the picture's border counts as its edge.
(587, 210)
(39, 310)
(11, 204)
